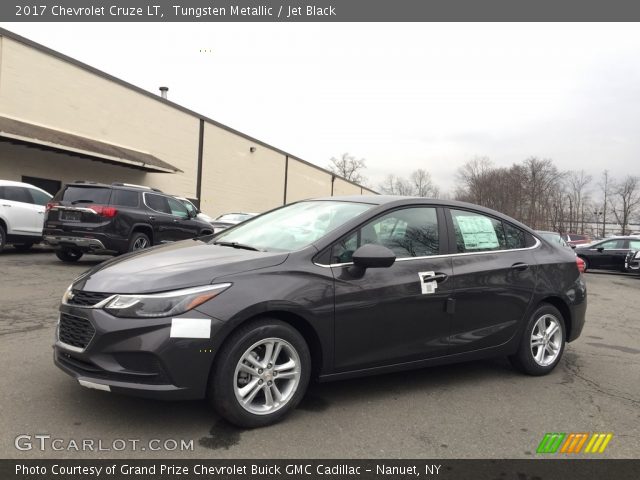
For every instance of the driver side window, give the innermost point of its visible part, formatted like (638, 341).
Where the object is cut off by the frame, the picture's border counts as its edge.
(408, 232)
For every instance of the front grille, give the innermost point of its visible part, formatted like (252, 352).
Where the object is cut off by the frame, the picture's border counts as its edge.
(75, 331)
(86, 299)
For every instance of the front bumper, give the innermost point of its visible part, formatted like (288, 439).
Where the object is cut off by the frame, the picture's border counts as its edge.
(133, 356)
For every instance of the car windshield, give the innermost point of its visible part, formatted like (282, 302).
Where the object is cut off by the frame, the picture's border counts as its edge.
(293, 227)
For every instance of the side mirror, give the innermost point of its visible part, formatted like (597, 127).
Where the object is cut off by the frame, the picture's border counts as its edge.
(600, 249)
(373, 256)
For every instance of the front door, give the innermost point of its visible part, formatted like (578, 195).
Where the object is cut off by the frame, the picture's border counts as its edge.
(396, 314)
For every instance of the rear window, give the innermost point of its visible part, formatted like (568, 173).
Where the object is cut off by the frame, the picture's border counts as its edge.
(73, 194)
(476, 232)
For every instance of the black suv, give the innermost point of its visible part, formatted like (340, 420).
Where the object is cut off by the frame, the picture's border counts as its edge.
(88, 217)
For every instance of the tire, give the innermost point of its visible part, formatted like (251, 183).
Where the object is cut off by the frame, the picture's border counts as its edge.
(230, 377)
(541, 362)
(3, 237)
(69, 255)
(139, 241)
(23, 247)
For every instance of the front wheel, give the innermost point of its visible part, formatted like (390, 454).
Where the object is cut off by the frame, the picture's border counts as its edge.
(261, 374)
(542, 343)
(69, 255)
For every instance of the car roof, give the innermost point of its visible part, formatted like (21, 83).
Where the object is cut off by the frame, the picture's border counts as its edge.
(12, 183)
(115, 185)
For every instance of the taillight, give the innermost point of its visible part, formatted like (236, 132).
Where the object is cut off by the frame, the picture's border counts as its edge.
(580, 263)
(50, 205)
(108, 212)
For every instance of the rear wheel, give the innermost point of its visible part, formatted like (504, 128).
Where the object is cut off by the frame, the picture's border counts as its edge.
(23, 247)
(542, 343)
(139, 241)
(3, 237)
(69, 255)
(261, 374)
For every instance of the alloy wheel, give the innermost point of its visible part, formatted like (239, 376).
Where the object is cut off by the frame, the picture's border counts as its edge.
(267, 376)
(546, 340)
(140, 243)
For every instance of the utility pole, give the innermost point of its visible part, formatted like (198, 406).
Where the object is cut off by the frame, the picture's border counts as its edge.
(570, 214)
(604, 208)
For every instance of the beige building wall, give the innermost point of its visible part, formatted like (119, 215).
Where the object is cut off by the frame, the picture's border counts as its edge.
(18, 160)
(341, 187)
(304, 181)
(236, 179)
(39, 88)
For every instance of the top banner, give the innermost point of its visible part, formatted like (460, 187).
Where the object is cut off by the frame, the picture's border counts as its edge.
(317, 11)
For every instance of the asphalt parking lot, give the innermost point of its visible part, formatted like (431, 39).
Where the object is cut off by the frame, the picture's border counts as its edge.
(474, 410)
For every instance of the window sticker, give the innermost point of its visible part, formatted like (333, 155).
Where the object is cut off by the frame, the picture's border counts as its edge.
(477, 232)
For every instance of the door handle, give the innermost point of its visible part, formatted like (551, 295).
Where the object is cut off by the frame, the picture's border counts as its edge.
(438, 277)
(5, 205)
(520, 266)
(151, 218)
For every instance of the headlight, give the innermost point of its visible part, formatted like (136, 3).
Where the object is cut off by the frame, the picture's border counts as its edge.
(637, 257)
(67, 294)
(163, 304)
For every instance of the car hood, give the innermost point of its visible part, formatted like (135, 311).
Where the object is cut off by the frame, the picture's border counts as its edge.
(183, 264)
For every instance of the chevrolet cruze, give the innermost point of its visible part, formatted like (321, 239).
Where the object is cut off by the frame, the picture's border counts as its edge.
(330, 289)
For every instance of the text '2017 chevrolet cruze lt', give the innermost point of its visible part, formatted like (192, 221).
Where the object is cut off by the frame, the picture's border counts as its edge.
(330, 288)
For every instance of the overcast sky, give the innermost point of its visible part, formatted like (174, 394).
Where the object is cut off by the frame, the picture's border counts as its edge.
(402, 96)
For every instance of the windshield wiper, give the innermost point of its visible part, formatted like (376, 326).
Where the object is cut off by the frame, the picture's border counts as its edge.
(237, 245)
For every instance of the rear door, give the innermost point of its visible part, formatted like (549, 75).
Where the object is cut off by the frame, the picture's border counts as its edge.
(494, 279)
(393, 315)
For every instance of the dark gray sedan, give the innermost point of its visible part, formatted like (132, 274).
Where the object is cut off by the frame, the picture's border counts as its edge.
(330, 288)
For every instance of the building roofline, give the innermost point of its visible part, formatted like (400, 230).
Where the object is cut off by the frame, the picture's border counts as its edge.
(49, 51)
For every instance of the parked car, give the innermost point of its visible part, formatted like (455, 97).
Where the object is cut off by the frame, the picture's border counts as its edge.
(608, 254)
(22, 209)
(632, 261)
(195, 211)
(229, 220)
(574, 239)
(89, 217)
(248, 316)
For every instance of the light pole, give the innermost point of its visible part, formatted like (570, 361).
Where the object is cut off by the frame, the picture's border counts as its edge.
(597, 213)
(570, 214)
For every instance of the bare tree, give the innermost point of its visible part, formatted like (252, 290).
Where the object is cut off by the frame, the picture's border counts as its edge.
(423, 185)
(349, 167)
(577, 183)
(626, 200)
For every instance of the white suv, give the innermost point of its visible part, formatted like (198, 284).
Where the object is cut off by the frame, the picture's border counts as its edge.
(22, 209)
